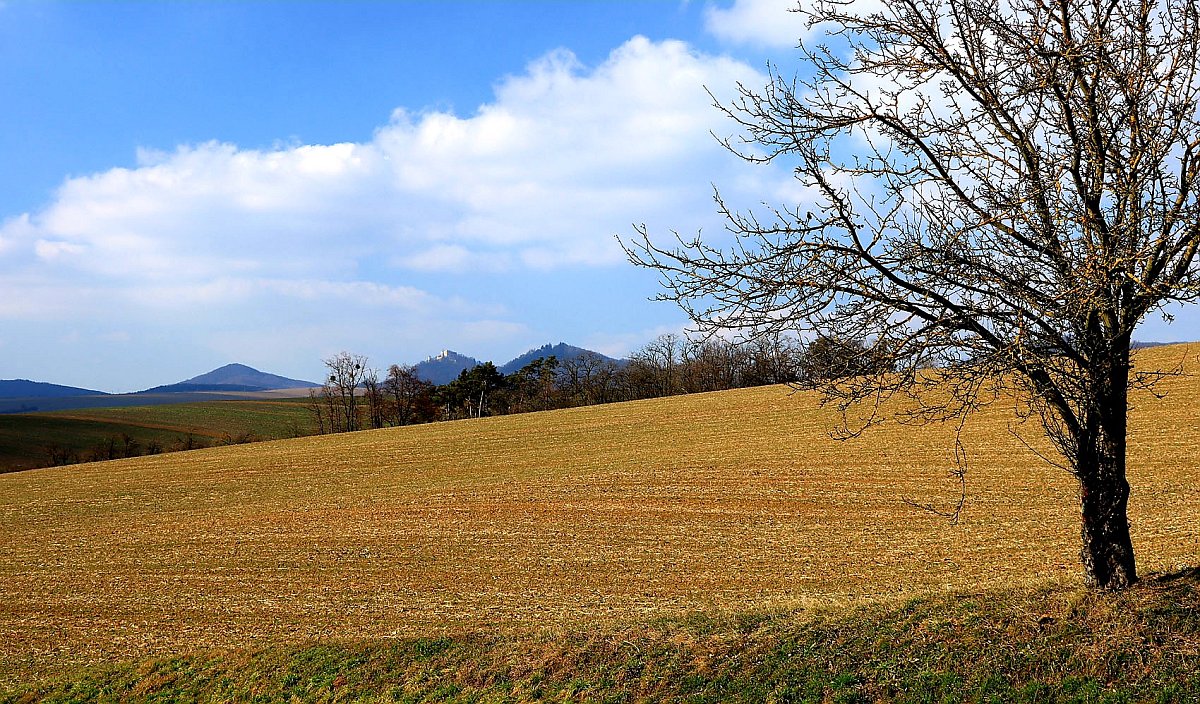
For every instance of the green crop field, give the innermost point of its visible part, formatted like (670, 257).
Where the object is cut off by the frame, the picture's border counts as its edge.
(270, 420)
(603, 518)
(26, 439)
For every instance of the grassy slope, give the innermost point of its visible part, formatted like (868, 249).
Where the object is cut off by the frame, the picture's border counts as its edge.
(529, 530)
(25, 437)
(271, 420)
(1044, 645)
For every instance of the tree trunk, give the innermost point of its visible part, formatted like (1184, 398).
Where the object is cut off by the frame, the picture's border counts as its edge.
(1107, 552)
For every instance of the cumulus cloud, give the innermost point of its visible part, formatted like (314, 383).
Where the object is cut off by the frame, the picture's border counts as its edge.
(538, 179)
(767, 23)
(775, 24)
(542, 176)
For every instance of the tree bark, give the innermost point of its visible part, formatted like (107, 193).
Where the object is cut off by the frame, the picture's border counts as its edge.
(1107, 551)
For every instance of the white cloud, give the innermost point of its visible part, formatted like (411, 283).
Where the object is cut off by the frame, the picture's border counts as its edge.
(455, 258)
(775, 24)
(542, 176)
(232, 291)
(15, 230)
(768, 23)
(50, 250)
(402, 225)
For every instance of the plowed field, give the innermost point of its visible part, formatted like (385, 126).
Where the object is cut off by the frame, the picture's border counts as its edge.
(732, 501)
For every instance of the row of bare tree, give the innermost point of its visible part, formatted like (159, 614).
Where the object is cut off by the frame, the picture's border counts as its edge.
(124, 445)
(355, 396)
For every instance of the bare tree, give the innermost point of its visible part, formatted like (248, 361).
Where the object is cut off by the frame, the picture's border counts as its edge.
(316, 405)
(1000, 193)
(655, 367)
(373, 394)
(407, 391)
(774, 359)
(830, 357)
(604, 381)
(534, 387)
(60, 455)
(588, 379)
(345, 373)
(712, 364)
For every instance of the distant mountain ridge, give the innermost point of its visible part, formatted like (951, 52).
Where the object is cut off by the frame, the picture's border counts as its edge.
(445, 367)
(24, 388)
(448, 364)
(232, 377)
(562, 352)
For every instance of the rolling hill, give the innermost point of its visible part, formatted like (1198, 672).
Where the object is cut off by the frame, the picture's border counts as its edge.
(31, 440)
(26, 389)
(590, 520)
(230, 382)
(562, 351)
(445, 367)
(232, 377)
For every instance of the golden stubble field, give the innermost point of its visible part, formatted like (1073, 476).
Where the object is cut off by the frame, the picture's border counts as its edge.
(717, 502)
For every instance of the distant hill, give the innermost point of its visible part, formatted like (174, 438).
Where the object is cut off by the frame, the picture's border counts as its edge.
(232, 377)
(184, 387)
(562, 351)
(24, 388)
(445, 367)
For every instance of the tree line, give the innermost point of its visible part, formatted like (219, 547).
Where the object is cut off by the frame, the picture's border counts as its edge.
(357, 396)
(123, 445)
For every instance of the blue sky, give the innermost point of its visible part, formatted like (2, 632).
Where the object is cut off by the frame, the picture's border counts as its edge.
(187, 184)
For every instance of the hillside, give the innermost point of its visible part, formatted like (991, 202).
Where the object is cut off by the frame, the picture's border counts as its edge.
(447, 365)
(168, 398)
(1035, 646)
(444, 367)
(603, 517)
(25, 389)
(232, 377)
(562, 351)
(29, 439)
